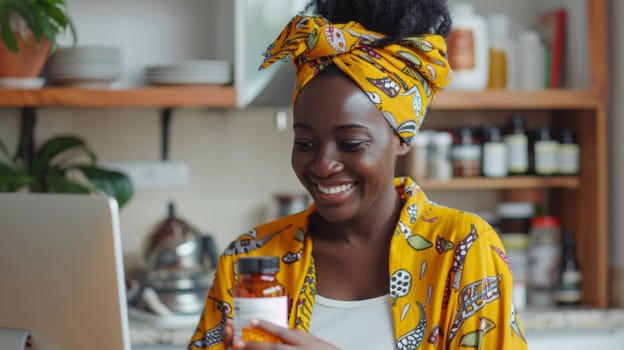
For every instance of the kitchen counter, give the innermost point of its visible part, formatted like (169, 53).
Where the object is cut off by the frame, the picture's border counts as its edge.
(540, 324)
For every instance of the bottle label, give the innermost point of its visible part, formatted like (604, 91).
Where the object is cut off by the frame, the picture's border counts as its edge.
(517, 153)
(546, 157)
(274, 310)
(494, 159)
(569, 163)
(461, 49)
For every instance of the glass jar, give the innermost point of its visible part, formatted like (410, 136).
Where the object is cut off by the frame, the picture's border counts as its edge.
(466, 154)
(258, 295)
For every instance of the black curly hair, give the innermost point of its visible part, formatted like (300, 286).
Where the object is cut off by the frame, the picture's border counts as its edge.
(396, 19)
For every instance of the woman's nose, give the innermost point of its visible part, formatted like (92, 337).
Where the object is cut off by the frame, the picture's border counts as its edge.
(326, 162)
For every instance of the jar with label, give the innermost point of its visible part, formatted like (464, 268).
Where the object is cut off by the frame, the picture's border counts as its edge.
(494, 162)
(543, 259)
(517, 143)
(466, 154)
(545, 152)
(515, 217)
(468, 48)
(569, 153)
(258, 295)
(440, 167)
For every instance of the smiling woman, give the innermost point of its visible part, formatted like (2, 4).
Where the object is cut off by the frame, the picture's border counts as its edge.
(371, 247)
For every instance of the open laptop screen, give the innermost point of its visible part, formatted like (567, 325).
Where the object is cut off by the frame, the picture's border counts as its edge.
(61, 271)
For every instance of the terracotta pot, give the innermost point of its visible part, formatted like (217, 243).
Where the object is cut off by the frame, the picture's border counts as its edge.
(28, 62)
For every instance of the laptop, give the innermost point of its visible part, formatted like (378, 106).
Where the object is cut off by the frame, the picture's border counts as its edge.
(61, 271)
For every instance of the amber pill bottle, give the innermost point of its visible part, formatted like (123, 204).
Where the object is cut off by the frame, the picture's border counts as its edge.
(258, 295)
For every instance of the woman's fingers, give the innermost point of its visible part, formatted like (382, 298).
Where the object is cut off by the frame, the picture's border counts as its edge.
(228, 333)
(286, 335)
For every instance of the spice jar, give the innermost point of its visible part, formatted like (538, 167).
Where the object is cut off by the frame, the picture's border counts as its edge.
(494, 163)
(517, 144)
(545, 152)
(466, 154)
(258, 295)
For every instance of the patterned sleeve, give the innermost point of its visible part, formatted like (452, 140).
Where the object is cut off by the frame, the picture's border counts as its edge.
(481, 315)
(217, 309)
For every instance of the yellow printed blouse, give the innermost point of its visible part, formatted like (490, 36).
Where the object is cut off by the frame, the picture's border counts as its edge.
(450, 280)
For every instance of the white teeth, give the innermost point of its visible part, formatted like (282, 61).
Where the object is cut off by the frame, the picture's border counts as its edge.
(335, 189)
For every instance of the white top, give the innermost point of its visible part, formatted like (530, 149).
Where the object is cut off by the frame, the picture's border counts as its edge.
(354, 324)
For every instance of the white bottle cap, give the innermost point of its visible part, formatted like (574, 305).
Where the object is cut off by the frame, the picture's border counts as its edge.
(442, 138)
(498, 25)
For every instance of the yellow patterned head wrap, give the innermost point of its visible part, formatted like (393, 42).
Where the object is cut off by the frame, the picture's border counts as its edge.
(400, 79)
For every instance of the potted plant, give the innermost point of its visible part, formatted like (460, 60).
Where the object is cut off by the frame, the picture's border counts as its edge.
(63, 164)
(30, 29)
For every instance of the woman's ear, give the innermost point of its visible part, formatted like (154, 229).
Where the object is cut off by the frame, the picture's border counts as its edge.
(403, 148)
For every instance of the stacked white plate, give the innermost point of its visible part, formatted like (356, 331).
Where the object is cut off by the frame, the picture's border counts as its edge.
(190, 73)
(84, 66)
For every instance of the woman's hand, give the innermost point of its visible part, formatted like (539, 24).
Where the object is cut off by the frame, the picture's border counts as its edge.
(228, 334)
(292, 339)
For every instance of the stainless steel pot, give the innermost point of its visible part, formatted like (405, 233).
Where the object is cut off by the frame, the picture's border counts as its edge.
(179, 264)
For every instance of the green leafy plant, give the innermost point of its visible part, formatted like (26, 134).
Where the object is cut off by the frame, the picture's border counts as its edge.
(44, 18)
(58, 166)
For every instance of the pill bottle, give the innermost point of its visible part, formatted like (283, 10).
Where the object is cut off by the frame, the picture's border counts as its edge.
(545, 152)
(517, 143)
(468, 48)
(440, 166)
(258, 295)
(544, 254)
(466, 154)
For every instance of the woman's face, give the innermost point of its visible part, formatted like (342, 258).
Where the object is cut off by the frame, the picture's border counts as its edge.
(344, 151)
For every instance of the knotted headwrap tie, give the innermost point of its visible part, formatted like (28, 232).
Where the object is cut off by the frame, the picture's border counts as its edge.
(399, 79)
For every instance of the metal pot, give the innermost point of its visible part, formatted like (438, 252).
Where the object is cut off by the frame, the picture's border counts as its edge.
(179, 264)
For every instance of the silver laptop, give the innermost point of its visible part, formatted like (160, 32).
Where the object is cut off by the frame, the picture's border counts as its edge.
(61, 271)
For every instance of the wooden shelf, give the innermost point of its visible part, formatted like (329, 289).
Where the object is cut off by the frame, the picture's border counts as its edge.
(504, 99)
(480, 183)
(213, 97)
(225, 97)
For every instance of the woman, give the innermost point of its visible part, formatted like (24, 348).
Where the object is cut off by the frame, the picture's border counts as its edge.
(372, 264)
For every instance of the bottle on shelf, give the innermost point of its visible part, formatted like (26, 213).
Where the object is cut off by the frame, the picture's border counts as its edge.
(543, 252)
(494, 162)
(569, 153)
(440, 166)
(517, 143)
(258, 294)
(531, 71)
(545, 152)
(500, 74)
(468, 48)
(568, 284)
(466, 154)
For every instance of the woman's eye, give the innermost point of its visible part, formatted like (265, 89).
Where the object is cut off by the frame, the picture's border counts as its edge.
(304, 145)
(352, 145)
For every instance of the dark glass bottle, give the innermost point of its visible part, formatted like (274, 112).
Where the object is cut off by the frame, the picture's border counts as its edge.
(517, 143)
(569, 153)
(494, 162)
(545, 152)
(568, 285)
